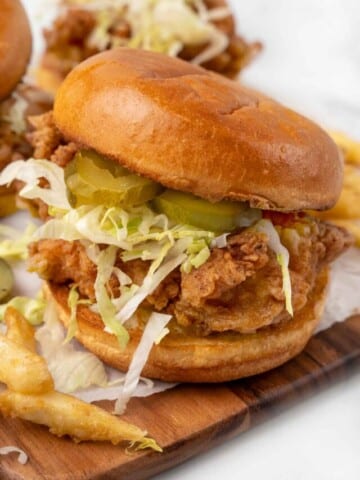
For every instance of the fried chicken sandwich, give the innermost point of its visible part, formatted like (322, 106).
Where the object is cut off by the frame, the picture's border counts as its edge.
(199, 31)
(17, 100)
(175, 203)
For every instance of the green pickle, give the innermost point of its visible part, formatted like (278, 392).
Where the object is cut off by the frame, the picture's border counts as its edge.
(185, 208)
(6, 280)
(93, 179)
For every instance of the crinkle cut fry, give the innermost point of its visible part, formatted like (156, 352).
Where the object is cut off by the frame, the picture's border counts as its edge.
(66, 415)
(19, 329)
(63, 414)
(22, 370)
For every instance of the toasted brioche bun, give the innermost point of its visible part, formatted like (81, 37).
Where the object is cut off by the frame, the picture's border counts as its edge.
(48, 80)
(217, 358)
(15, 44)
(196, 131)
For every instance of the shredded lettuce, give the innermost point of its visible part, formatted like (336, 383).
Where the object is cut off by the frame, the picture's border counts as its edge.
(282, 256)
(100, 37)
(130, 233)
(139, 233)
(200, 257)
(153, 331)
(22, 457)
(30, 172)
(71, 369)
(73, 302)
(216, 14)
(105, 264)
(167, 25)
(164, 26)
(198, 252)
(151, 281)
(16, 115)
(220, 241)
(31, 308)
(16, 243)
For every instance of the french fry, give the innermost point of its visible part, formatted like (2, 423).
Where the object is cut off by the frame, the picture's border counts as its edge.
(350, 147)
(21, 370)
(19, 329)
(66, 415)
(346, 212)
(31, 395)
(348, 205)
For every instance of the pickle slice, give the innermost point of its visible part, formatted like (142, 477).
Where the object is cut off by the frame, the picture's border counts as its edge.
(185, 208)
(6, 280)
(100, 162)
(93, 179)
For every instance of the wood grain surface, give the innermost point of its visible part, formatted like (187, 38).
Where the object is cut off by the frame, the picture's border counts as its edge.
(188, 419)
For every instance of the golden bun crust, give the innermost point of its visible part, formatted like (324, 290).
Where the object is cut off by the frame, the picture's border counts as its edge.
(48, 80)
(218, 358)
(15, 44)
(196, 131)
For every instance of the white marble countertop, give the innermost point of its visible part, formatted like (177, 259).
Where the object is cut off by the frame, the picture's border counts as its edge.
(311, 56)
(311, 61)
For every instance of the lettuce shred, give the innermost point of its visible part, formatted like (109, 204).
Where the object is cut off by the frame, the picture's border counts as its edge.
(105, 264)
(153, 331)
(73, 302)
(164, 26)
(30, 172)
(70, 368)
(31, 308)
(22, 457)
(13, 244)
(16, 114)
(282, 257)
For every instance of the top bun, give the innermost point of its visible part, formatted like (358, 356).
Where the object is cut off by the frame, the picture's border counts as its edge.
(15, 45)
(195, 131)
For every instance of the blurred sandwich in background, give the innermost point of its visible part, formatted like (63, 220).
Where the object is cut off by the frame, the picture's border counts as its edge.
(17, 99)
(200, 31)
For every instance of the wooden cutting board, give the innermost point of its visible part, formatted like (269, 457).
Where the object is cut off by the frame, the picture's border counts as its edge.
(188, 419)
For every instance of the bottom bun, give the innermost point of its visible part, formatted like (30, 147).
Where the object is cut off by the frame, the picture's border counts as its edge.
(216, 358)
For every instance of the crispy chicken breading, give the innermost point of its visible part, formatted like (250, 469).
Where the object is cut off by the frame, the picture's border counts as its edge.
(239, 288)
(26, 100)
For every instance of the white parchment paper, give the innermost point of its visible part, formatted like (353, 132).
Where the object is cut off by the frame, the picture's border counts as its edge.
(343, 297)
